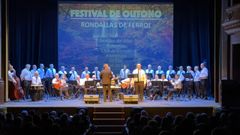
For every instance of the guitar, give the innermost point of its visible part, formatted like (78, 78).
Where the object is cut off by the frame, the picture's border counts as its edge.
(57, 84)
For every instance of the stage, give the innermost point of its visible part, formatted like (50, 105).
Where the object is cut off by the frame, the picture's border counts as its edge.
(160, 106)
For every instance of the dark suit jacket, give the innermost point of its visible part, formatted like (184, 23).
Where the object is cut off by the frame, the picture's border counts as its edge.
(106, 76)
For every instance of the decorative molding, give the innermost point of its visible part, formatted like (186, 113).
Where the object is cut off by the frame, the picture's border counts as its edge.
(231, 23)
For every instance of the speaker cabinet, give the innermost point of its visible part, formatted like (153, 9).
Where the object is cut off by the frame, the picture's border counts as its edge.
(130, 99)
(91, 99)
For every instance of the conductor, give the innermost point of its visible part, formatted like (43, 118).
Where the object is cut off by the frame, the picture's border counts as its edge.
(106, 76)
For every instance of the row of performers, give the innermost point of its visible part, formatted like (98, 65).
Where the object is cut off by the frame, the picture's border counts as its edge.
(195, 78)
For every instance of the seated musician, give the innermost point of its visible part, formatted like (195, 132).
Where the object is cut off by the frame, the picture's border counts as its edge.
(79, 86)
(88, 89)
(149, 90)
(162, 87)
(79, 82)
(157, 90)
(127, 85)
(36, 80)
(177, 87)
(64, 85)
(60, 85)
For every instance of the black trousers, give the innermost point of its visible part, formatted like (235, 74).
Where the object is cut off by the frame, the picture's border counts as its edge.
(203, 86)
(197, 88)
(26, 88)
(189, 88)
(48, 85)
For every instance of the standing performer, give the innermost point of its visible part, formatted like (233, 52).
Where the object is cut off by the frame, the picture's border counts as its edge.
(124, 72)
(159, 71)
(50, 73)
(26, 77)
(62, 71)
(41, 71)
(106, 76)
(189, 82)
(85, 72)
(140, 81)
(96, 73)
(149, 70)
(197, 81)
(34, 69)
(170, 72)
(203, 81)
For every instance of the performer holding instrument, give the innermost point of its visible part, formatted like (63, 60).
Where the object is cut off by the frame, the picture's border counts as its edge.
(60, 85)
(15, 89)
(177, 87)
(36, 90)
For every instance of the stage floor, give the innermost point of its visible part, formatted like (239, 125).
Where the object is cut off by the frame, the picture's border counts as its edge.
(56, 102)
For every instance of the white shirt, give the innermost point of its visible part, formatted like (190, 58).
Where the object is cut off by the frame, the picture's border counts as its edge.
(36, 80)
(141, 75)
(163, 80)
(79, 82)
(177, 84)
(204, 73)
(196, 76)
(55, 81)
(10, 76)
(64, 83)
(26, 75)
(84, 80)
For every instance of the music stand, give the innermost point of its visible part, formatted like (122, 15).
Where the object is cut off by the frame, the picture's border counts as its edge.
(132, 75)
(89, 84)
(156, 83)
(165, 83)
(72, 82)
(97, 81)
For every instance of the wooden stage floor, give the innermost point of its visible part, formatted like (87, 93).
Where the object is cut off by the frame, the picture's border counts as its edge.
(56, 102)
(180, 106)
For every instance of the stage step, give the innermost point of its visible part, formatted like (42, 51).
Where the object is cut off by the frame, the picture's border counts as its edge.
(108, 109)
(108, 128)
(108, 114)
(108, 121)
(108, 133)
